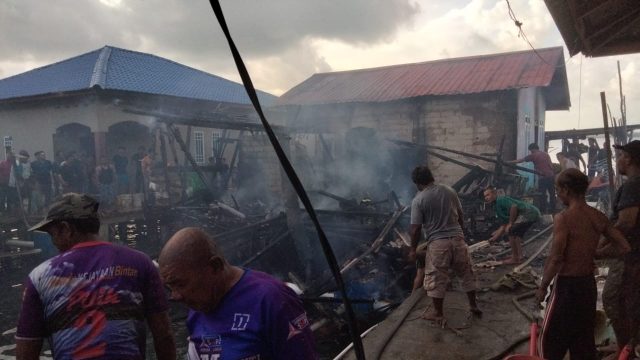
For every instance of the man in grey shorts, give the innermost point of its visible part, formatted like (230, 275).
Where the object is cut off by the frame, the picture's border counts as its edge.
(436, 211)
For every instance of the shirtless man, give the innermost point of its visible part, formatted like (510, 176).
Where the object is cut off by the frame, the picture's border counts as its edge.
(570, 316)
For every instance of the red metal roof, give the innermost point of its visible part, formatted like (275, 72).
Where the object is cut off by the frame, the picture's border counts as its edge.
(456, 76)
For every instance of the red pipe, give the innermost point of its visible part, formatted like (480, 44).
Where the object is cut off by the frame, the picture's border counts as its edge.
(533, 339)
(625, 353)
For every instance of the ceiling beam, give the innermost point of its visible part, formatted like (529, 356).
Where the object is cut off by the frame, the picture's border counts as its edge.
(593, 9)
(620, 26)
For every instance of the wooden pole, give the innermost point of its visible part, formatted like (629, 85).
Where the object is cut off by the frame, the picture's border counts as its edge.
(623, 110)
(603, 102)
(180, 168)
(165, 159)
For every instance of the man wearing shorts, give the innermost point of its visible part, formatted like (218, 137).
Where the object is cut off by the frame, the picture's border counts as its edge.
(436, 210)
(516, 216)
(570, 316)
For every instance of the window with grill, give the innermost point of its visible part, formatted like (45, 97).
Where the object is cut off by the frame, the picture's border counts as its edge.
(198, 138)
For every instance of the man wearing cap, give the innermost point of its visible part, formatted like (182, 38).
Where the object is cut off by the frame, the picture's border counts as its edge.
(621, 294)
(92, 300)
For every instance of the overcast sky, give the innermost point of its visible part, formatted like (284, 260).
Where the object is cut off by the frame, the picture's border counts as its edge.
(286, 41)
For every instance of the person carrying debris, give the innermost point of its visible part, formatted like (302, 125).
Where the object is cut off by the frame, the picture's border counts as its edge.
(235, 313)
(570, 316)
(543, 165)
(621, 294)
(516, 216)
(437, 213)
(94, 300)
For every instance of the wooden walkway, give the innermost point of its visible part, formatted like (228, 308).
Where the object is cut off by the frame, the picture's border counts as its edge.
(464, 338)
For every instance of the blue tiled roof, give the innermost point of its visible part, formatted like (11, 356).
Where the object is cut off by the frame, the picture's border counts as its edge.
(119, 69)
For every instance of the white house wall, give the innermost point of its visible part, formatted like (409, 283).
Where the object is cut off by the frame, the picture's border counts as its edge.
(32, 128)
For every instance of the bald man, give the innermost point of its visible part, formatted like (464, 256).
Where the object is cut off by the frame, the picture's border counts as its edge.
(235, 313)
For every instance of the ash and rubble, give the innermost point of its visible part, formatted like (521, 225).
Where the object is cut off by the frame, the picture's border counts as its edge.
(362, 200)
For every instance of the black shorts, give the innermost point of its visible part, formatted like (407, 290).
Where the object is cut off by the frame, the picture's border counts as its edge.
(570, 319)
(519, 229)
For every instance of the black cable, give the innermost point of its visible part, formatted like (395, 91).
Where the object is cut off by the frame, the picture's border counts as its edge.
(293, 178)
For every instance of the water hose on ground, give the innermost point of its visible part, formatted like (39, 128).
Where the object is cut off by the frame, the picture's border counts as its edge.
(411, 302)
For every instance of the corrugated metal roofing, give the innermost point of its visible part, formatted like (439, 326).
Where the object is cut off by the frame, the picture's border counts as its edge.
(441, 77)
(119, 69)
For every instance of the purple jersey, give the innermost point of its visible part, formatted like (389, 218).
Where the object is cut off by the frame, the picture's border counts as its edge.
(260, 318)
(92, 301)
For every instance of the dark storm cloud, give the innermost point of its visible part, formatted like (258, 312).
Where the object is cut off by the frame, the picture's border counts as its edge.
(186, 30)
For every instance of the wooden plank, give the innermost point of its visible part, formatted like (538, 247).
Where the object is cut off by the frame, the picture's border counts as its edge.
(377, 243)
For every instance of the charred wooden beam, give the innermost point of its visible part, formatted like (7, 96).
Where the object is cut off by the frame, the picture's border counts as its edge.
(176, 134)
(473, 156)
(165, 170)
(344, 202)
(580, 133)
(216, 121)
(457, 162)
(377, 243)
(259, 254)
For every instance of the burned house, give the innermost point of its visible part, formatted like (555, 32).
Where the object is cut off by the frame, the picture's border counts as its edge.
(468, 104)
(110, 97)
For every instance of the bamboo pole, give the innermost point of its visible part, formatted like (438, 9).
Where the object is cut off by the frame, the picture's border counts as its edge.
(603, 102)
(623, 109)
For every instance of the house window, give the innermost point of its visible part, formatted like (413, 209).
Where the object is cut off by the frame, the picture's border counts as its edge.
(216, 145)
(198, 138)
(8, 144)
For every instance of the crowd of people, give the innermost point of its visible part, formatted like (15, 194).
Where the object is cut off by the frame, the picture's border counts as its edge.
(96, 299)
(30, 186)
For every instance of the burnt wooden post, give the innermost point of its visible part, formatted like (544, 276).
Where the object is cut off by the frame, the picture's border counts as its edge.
(232, 163)
(165, 159)
(304, 246)
(603, 102)
(172, 146)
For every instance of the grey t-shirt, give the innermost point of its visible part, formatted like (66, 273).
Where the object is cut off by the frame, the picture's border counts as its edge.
(436, 209)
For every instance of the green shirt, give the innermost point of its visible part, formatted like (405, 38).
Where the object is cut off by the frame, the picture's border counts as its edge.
(526, 211)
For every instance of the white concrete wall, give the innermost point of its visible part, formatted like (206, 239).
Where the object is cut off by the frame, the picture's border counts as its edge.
(526, 120)
(32, 128)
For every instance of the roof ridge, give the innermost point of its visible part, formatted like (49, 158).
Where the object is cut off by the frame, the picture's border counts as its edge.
(49, 65)
(176, 63)
(99, 75)
(472, 57)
